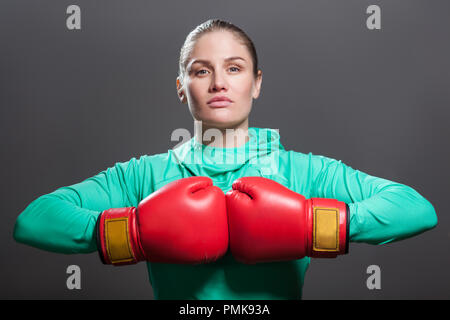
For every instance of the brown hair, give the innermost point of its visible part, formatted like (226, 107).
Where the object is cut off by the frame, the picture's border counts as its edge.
(210, 26)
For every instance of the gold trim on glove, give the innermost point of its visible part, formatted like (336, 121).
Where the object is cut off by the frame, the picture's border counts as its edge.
(117, 241)
(326, 229)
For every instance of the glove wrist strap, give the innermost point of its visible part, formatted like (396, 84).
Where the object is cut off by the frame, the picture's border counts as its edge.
(117, 237)
(329, 224)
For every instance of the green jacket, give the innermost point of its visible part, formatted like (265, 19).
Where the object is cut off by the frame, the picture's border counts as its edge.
(381, 211)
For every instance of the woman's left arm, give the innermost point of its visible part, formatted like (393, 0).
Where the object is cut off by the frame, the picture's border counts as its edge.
(381, 211)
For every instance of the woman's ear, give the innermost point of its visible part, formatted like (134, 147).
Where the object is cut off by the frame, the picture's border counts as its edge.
(257, 87)
(180, 91)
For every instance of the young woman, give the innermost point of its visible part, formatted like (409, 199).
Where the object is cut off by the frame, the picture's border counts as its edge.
(180, 226)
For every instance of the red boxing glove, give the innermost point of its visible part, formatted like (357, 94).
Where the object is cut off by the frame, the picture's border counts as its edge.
(183, 222)
(269, 222)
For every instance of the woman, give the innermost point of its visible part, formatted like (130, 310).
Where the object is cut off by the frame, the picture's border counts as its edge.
(218, 80)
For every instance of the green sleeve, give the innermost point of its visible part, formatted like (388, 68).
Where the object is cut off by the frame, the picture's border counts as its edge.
(64, 220)
(381, 211)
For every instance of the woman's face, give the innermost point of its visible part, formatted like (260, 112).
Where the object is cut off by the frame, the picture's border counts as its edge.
(220, 66)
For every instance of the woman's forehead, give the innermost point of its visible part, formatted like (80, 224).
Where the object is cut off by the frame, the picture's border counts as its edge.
(219, 45)
(219, 39)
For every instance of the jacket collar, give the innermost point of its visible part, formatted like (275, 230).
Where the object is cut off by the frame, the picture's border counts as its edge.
(259, 152)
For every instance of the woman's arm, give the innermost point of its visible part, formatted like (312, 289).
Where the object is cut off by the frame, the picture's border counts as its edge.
(381, 211)
(64, 220)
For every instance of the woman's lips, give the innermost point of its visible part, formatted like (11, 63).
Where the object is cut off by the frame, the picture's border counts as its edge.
(220, 103)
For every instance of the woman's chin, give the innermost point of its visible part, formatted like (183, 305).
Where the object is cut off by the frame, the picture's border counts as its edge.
(221, 123)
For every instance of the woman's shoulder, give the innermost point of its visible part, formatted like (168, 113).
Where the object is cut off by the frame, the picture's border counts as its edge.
(308, 156)
(147, 158)
(312, 160)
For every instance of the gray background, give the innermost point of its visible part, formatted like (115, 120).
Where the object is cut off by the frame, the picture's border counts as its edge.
(75, 102)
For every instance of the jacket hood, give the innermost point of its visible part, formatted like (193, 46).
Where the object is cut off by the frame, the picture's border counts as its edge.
(255, 158)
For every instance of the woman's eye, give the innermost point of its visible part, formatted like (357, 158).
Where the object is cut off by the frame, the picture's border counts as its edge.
(199, 72)
(204, 71)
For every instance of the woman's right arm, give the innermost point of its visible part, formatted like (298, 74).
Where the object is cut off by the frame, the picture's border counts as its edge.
(64, 221)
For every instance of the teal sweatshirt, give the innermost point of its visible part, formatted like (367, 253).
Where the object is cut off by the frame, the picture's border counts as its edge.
(381, 211)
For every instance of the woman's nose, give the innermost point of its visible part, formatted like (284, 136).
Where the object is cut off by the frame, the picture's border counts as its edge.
(218, 82)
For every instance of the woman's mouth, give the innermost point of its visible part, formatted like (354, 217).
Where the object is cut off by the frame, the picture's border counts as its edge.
(219, 102)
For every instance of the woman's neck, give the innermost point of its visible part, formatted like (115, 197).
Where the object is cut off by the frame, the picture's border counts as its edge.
(221, 137)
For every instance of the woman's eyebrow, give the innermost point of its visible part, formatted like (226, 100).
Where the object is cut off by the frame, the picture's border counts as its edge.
(207, 62)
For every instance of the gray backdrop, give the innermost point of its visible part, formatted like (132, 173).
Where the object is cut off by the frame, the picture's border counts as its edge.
(74, 102)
